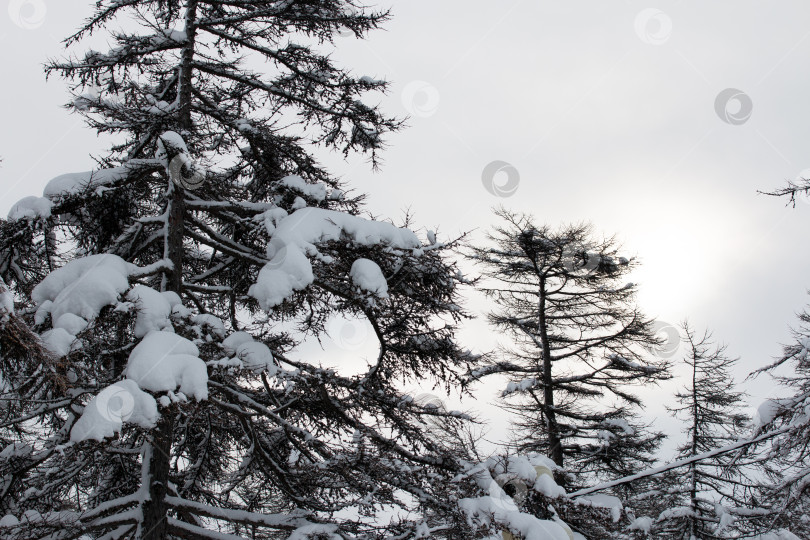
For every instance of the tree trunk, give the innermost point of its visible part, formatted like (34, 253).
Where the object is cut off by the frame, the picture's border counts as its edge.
(554, 440)
(155, 511)
(693, 453)
(155, 519)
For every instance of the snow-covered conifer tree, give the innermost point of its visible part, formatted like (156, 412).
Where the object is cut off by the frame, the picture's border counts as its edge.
(579, 343)
(714, 492)
(153, 384)
(784, 499)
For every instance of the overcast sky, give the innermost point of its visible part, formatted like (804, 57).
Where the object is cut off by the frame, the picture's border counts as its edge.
(614, 112)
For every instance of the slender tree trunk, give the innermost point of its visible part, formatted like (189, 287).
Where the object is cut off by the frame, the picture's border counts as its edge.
(554, 440)
(155, 511)
(694, 451)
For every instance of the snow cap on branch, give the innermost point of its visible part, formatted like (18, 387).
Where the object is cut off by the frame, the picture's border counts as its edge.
(106, 413)
(368, 276)
(154, 309)
(172, 149)
(294, 237)
(30, 208)
(73, 183)
(163, 361)
(82, 287)
(252, 354)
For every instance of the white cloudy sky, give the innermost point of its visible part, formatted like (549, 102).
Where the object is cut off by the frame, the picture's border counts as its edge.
(605, 109)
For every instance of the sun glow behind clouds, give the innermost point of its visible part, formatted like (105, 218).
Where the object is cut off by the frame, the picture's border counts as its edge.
(677, 267)
(689, 250)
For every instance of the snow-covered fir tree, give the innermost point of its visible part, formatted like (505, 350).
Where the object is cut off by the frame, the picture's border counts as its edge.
(784, 499)
(711, 494)
(579, 344)
(152, 379)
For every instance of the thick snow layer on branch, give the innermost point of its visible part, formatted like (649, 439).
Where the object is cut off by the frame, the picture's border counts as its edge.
(289, 271)
(519, 386)
(496, 505)
(310, 225)
(251, 353)
(62, 338)
(368, 276)
(106, 413)
(546, 485)
(58, 340)
(600, 500)
(767, 411)
(173, 140)
(82, 287)
(255, 355)
(72, 183)
(313, 191)
(71, 323)
(163, 361)
(536, 471)
(294, 237)
(528, 526)
(213, 323)
(30, 208)
(272, 218)
(232, 342)
(154, 309)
